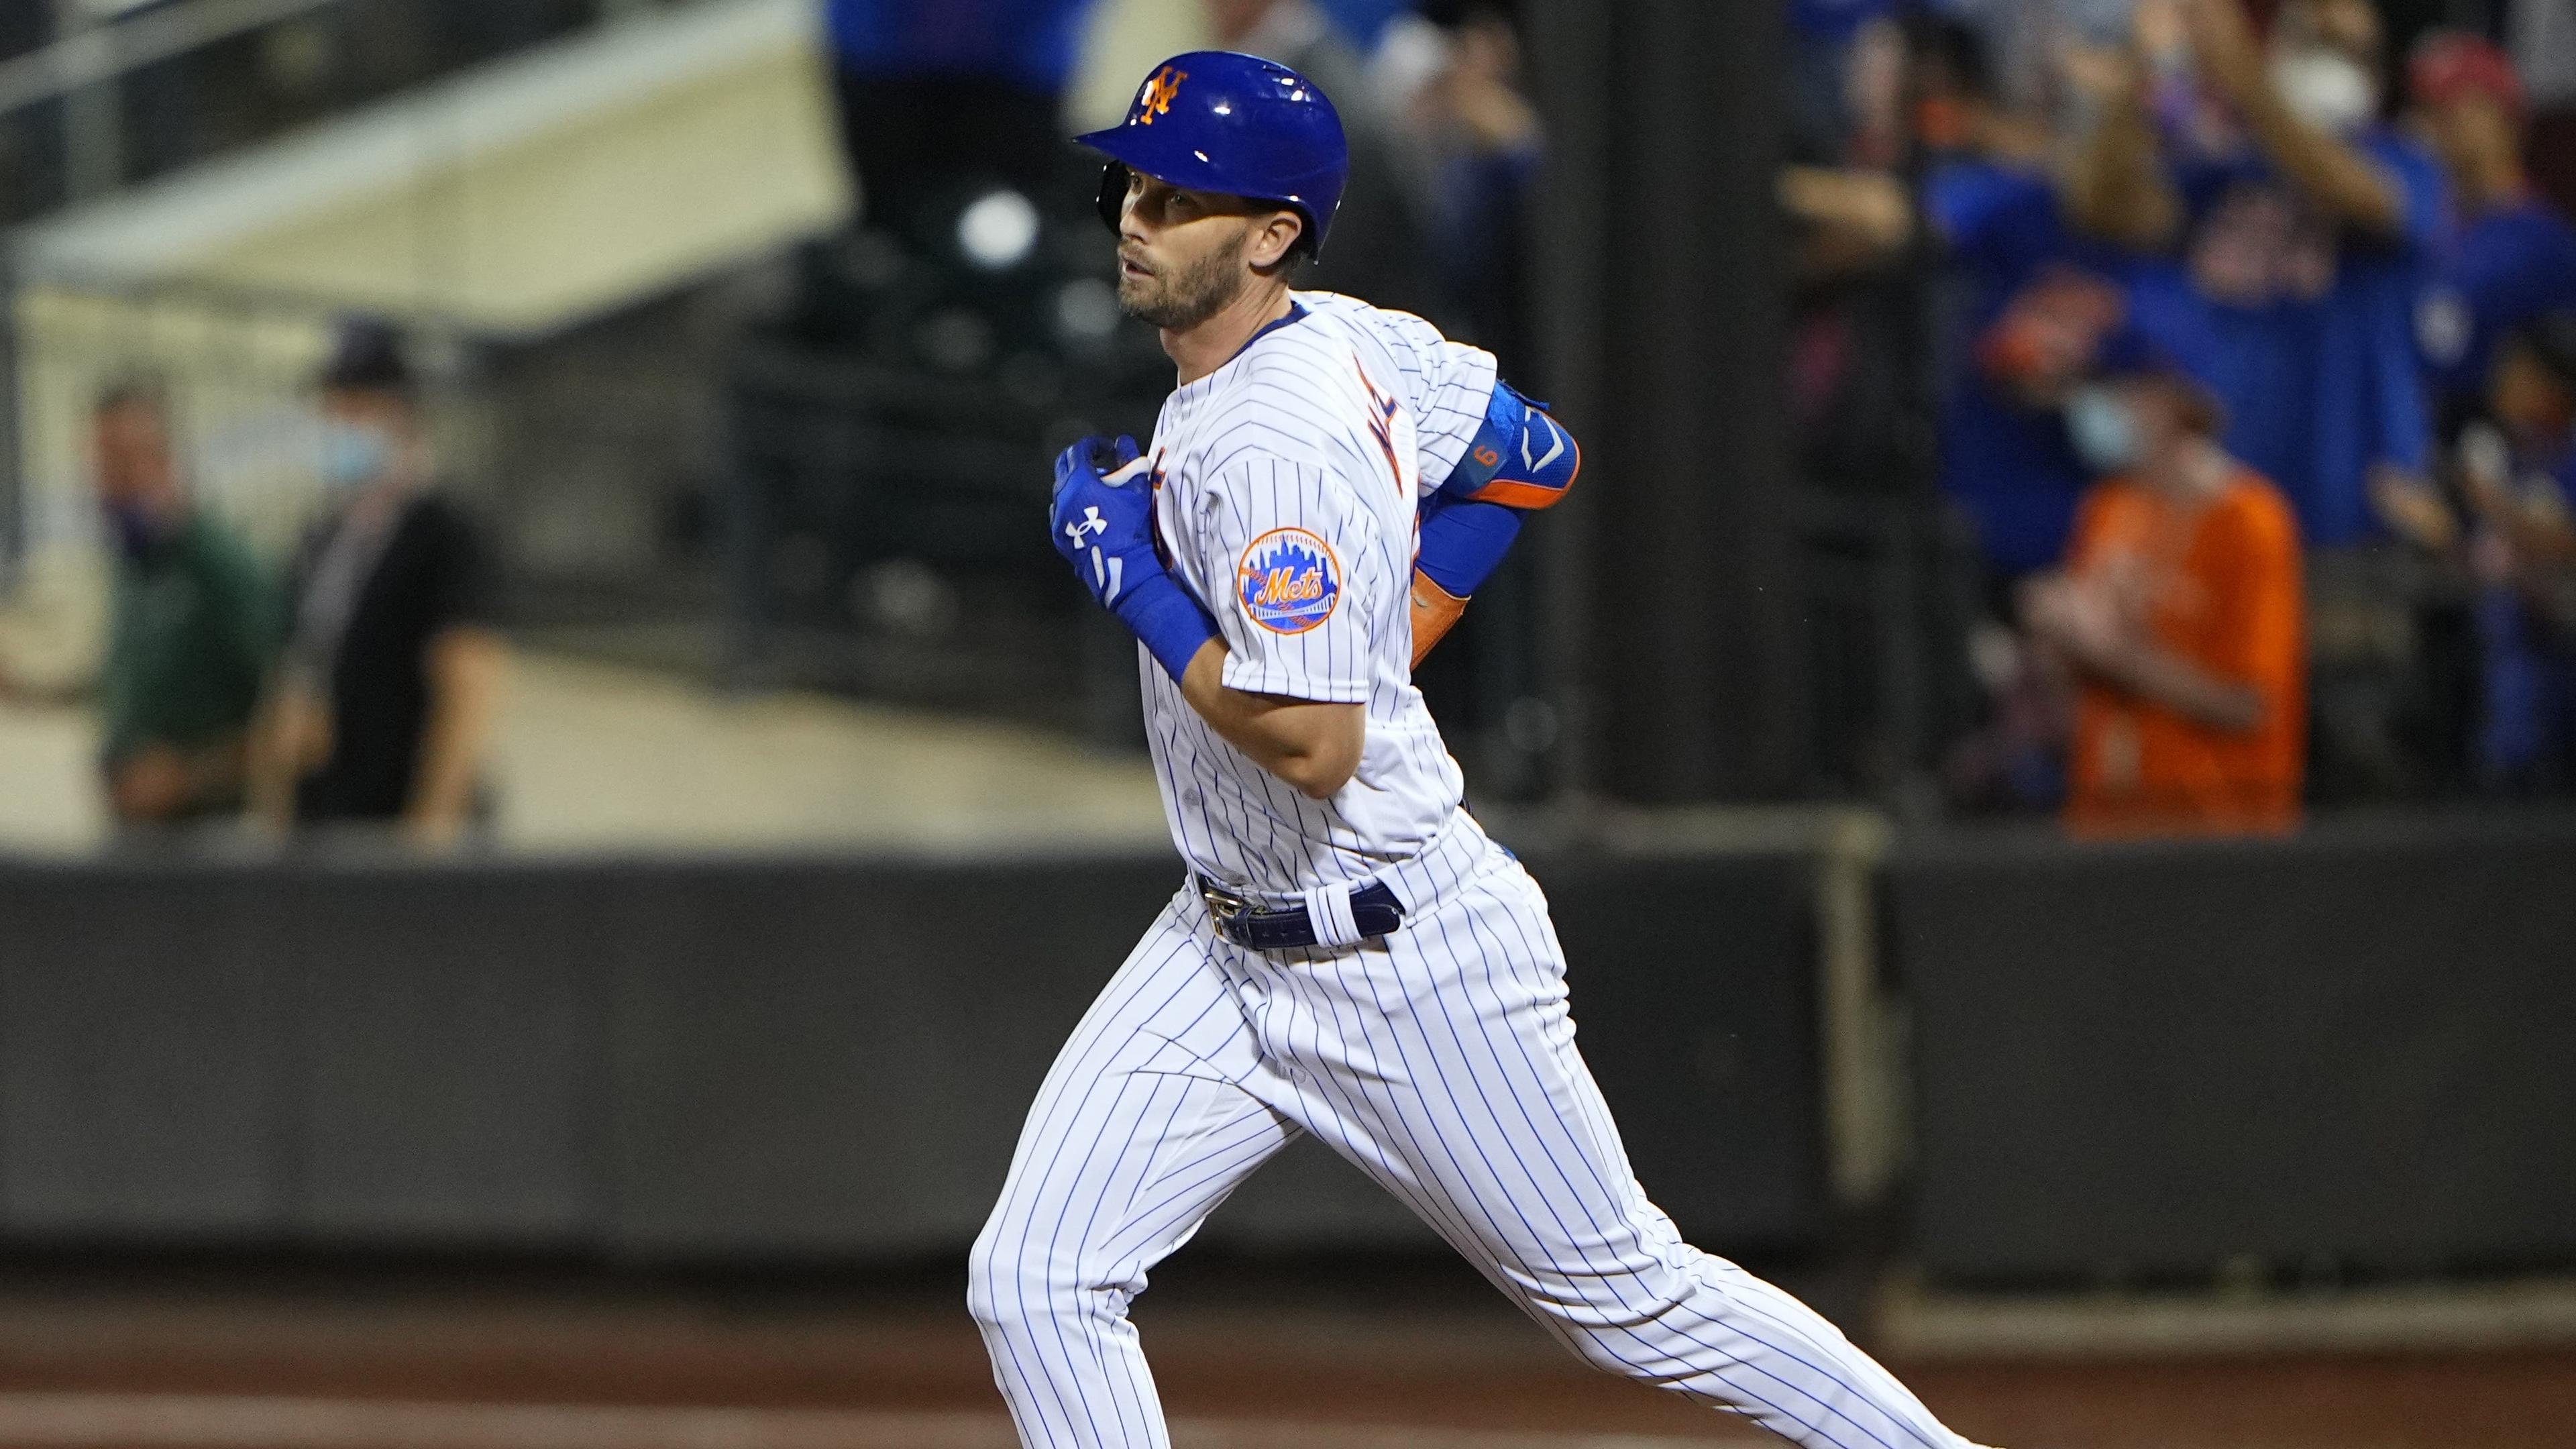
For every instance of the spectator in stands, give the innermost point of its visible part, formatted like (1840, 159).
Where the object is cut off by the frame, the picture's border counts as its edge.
(2301, 223)
(1380, 245)
(1833, 46)
(193, 629)
(2179, 614)
(2029, 300)
(1480, 144)
(384, 710)
(2513, 257)
(938, 95)
(2518, 475)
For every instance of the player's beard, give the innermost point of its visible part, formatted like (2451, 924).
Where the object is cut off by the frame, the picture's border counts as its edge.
(1179, 300)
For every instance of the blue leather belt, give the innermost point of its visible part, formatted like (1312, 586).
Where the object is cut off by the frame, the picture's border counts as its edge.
(1374, 909)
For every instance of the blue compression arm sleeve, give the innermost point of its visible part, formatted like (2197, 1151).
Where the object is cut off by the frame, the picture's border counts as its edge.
(1463, 543)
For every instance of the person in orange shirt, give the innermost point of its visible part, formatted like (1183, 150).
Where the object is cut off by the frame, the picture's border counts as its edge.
(2179, 612)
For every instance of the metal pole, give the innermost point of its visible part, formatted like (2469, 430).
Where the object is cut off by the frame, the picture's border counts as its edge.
(1569, 239)
(90, 52)
(13, 485)
(1667, 270)
(93, 111)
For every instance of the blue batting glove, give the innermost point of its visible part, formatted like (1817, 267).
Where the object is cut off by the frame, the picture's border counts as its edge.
(1103, 522)
(1098, 523)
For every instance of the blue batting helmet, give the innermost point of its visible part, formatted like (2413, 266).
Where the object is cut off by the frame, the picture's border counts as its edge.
(1212, 120)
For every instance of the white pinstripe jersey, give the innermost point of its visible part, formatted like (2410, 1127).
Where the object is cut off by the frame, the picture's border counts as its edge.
(1287, 484)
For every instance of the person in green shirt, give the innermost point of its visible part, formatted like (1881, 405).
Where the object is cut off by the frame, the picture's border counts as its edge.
(193, 631)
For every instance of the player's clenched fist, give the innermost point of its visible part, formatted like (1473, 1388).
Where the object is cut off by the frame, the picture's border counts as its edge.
(1099, 525)
(1103, 524)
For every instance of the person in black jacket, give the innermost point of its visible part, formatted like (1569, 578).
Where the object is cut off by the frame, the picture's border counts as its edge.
(384, 708)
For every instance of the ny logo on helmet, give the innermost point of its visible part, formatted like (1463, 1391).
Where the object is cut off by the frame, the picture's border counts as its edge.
(1160, 90)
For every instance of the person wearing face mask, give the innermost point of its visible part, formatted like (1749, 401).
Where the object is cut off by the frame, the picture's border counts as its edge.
(2298, 227)
(2178, 614)
(192, 632)
(2025, 299)
(382, 712)
(2512, 259)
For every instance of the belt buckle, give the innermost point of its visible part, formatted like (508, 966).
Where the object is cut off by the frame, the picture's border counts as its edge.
(1228, 906)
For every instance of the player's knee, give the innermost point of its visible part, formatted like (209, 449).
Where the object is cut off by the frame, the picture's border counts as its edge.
(997, 1288)
(1010, 1282)
(998, 1294)
(1616, 1326)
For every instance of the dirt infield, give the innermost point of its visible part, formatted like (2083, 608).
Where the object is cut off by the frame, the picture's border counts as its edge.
(172, 1421)
(439, 1363)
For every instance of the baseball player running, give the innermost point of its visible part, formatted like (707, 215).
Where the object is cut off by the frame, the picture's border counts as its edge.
(1352, 957)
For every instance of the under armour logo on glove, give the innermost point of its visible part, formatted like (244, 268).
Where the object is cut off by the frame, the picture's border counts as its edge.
(1103, 524)
(1107, 574)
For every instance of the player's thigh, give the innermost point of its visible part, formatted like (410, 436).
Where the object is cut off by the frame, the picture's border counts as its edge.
(1142, 1124)
(1472, 1104)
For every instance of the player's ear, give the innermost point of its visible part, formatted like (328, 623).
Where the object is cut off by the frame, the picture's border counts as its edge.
(1274, 238)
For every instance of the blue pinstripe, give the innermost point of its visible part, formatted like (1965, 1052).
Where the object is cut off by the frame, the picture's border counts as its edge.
(1441, 1061)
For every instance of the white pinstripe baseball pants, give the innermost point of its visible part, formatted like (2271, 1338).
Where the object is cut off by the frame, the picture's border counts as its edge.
(1441, 1061)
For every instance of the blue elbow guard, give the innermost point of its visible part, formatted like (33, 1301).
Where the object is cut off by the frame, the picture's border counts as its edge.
(1463, 543)
(1521, 458)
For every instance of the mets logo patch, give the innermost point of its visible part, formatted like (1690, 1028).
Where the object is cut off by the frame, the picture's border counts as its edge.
(1289, 581)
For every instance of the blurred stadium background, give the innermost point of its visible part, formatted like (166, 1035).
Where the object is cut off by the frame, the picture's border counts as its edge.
(653, 1098)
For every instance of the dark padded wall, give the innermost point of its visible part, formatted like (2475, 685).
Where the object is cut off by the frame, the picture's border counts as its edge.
(828, 1059)
(445, 1033)
(144, 1074)
(1695, 1003)
(2359, 1048)
(760, 1060)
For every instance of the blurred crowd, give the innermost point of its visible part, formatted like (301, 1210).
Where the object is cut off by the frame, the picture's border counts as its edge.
(944, 99)
(2245, 336)
(355, 689)
(357, 684)
(2238, 337)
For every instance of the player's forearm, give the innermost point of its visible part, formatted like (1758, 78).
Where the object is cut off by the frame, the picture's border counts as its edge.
(1435, 612)
(1314, 747)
